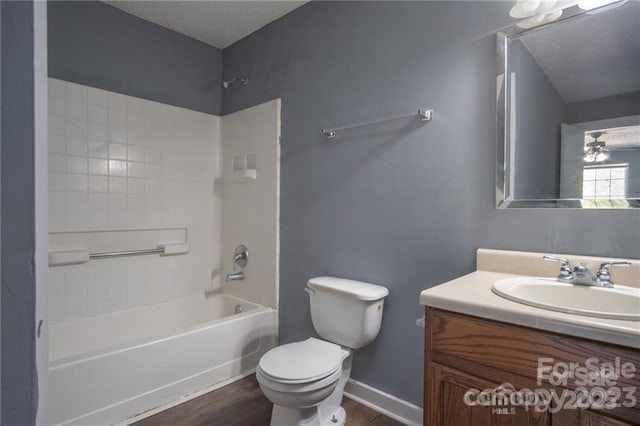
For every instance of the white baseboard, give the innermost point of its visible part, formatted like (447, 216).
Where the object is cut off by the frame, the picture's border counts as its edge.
(384, 403)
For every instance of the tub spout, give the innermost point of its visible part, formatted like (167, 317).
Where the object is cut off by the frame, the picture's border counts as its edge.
(236, 276)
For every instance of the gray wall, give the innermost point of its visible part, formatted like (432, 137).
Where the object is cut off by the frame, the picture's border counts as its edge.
(98, 45)
(539, 113)
(624, 105)
(402, 204)
(19, 387)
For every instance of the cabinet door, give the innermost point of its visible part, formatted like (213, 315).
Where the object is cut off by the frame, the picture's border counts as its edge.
(449, 408)
(584, 418)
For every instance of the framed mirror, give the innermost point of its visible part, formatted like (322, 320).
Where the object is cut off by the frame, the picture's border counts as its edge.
(569, 109)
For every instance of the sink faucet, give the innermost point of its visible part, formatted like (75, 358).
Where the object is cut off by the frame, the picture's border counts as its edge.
(581, 275)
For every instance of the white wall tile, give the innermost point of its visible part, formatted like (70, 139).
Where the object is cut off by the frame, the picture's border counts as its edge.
(76, 128)
(98, 183)
(117, 201)
(57, 144)
(98, 166)
(117, 219)
(117, 168)
(57, 107)
(77, 219)
(57, 88)
(153, 155)
(135, 202)
(136, 135)
(117, 151)
(117, 134)
(77, 201)
(57, 163)
(118, 184)
(250, 208)
(108, 171)
(77, 182)
(57, 182)
(153, 186)
(76, 92)
(98, 149)
(58, 125)
(97, 114)
(117, 101)
(77, 146)
(98, 219)
(97, 97)
(97, 131)
(77, 110)
(77, 164)
(136, 170)
(98, 201)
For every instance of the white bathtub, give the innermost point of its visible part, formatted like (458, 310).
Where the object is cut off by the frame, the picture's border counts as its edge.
(110, 368)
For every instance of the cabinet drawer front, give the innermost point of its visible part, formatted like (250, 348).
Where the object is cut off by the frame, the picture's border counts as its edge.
(474, 342)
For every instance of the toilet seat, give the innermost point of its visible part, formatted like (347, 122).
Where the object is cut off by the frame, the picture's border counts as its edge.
(301, 362)
(296, 388)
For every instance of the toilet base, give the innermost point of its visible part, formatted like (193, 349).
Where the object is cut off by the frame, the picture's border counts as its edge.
(312, 416)
(327, 413)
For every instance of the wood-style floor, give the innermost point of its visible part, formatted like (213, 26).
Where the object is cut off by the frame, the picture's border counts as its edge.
(242, 404)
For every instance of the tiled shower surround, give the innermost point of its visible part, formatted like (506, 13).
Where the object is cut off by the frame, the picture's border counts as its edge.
(119, 162)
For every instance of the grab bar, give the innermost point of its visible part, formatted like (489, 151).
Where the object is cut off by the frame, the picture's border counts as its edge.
(82, 255)
(160, 250)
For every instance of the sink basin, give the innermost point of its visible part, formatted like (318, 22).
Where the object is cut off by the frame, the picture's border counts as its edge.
(618, 302)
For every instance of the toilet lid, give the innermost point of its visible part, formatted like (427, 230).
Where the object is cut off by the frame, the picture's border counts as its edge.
(309, 360)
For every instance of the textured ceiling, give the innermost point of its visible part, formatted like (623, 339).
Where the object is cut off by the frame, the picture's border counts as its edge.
(218, 23)
(591, 57)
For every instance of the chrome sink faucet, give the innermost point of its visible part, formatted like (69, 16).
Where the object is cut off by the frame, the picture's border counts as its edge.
(581, 275)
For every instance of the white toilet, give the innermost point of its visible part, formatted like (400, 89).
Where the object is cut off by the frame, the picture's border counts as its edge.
(305, 380)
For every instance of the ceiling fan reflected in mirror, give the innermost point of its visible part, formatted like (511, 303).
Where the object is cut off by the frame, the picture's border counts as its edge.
(597, 150)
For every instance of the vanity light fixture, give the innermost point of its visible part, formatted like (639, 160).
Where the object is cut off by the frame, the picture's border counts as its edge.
(538, 20)
(529, 8)
(535, 12)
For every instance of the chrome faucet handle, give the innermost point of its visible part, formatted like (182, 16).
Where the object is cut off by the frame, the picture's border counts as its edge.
(603, 278)
(566, 273)
(240, 256)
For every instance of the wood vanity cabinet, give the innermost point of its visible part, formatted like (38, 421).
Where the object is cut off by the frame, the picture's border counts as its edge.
(464, 352)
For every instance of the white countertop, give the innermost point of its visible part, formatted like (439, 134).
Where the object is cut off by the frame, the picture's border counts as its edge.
(471, 294)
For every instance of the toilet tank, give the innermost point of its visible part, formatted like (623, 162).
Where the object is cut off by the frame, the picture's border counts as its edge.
(346, 312)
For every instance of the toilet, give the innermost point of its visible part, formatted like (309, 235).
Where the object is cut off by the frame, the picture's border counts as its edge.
(305, 380)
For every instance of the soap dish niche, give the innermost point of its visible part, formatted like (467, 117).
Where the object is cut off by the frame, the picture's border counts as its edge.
(239, 163)
(251, 169)
(245, 165)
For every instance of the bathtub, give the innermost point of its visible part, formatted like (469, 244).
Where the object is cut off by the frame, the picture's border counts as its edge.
(113, 368)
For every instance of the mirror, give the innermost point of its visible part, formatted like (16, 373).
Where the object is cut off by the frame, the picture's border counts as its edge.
(569, 110)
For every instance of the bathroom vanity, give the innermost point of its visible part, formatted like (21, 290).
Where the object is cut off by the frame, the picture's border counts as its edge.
(493, 361)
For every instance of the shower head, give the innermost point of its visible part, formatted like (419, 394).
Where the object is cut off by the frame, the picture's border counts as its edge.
(235, 82)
